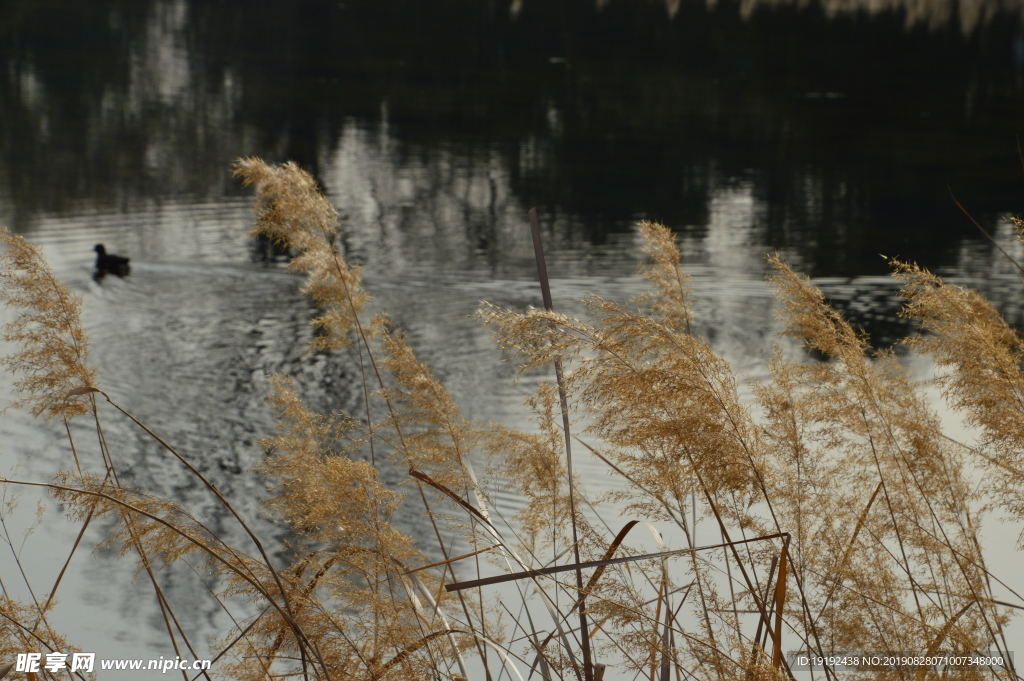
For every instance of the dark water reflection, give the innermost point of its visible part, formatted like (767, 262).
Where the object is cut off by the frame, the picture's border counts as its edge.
(848, 130)
(831, 132)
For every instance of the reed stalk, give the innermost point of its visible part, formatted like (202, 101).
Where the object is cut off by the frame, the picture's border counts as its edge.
(847, 519)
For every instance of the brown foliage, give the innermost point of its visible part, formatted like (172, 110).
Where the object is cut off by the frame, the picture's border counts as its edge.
(838, 458)
(52, 354)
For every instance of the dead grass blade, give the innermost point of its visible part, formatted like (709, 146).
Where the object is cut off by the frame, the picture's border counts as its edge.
(666, 653)
(85, 390)
(451, 560)
(586, 565)
(780, 602)
(760, 622)
(450, 494)
(608, 554)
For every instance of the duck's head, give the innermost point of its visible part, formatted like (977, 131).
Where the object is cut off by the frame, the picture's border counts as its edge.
(99, 249)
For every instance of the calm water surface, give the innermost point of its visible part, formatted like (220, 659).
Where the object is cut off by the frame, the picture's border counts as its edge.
(832, 132)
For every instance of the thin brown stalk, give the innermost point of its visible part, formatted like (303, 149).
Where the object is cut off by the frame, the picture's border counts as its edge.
(988, 236)
(780, 603)
(213, 488)
(184, 535)
(545, 287)
(586, 565)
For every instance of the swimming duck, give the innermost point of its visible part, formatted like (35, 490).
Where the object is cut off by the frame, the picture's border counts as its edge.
(106, 262)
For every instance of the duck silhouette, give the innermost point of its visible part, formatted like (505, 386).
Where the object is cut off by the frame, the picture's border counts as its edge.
(107, 263)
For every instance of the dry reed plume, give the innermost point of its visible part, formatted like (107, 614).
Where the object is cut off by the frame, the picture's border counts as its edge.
(52, 354)
(843, 519)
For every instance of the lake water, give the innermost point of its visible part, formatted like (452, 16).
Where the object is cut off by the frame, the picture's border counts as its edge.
(831, 132)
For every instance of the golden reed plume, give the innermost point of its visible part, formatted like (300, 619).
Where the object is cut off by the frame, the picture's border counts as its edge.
(841, 518)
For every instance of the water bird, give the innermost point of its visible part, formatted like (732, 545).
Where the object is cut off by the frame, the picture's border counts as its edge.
(107, 263)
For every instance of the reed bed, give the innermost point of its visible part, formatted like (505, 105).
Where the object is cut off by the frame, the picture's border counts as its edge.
(844, 519)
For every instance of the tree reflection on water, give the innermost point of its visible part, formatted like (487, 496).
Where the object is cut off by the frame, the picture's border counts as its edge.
(847, 121)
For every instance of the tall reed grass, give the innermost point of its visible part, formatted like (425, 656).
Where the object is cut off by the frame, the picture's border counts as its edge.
(844, 519)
